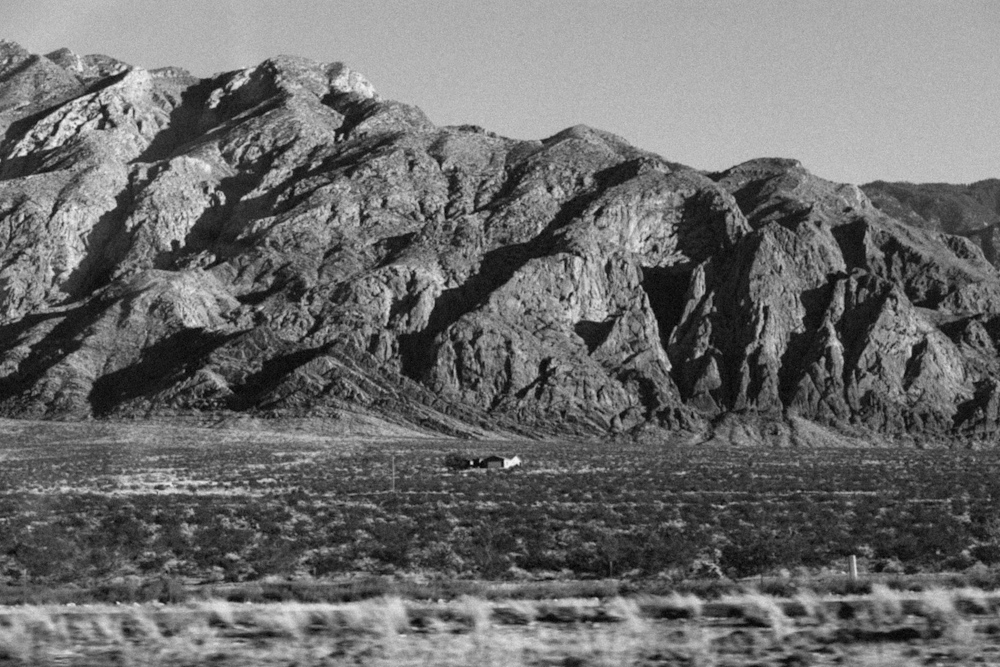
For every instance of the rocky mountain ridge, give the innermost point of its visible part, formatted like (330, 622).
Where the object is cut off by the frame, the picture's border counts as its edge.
(966, 210)
(281, 241)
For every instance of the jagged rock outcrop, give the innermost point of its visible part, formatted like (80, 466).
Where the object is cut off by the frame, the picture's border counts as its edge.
(283, 241)
(832, 310)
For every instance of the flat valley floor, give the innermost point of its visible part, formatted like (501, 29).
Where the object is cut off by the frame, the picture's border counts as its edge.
(103, 523)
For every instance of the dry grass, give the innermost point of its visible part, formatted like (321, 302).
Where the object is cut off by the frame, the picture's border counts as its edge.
(760, 610)
(886, 627)
(885, 605)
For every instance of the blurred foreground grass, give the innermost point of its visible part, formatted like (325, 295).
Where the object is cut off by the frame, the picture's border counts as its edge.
(936, 626)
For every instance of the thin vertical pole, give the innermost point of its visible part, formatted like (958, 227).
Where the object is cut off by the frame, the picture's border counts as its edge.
(394, 473)
(853, 567)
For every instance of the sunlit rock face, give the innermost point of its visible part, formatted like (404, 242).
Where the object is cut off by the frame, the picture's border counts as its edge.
(282, 241)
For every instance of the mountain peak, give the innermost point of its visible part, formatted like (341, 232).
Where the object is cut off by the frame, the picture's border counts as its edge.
(90, 67)
(281, 241)
(8, 48)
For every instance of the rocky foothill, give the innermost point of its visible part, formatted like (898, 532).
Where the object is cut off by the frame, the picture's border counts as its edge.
(282, 242)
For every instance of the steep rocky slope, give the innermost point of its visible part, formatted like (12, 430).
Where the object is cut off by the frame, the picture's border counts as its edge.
(967, 210)
(282, 241)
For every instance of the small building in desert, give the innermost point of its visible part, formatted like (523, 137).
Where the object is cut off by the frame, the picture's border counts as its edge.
(492, 462)
(501, 462)
(512, 462)
(457, 462)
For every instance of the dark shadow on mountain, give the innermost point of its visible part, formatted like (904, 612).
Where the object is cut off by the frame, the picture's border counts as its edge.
(666, 288)
(851, 240)
(260, 296)
(107, 235)
(498, 266)
(986, 239)
(20, 68)
(271, 374)
(747, 197)
(16, 167)
(167, 362)
(208, 231)
(975, 411)
(32, 164)
(355, 109)
(417, 350)
(796, 359)
(63, 340)
(11, 332)
(107, 81)
(593, 333)
(184, 126)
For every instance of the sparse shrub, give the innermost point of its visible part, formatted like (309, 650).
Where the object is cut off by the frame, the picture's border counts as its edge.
(988, 553)
(121, 530)
(778, 587)
(960, 561)
(48, 553)
(887, 566)
(248, 593)
(585, 511)
(664, 549)
(391, 543)
(273, 556)
(489, 549)
(750, 554)
(615, 552)
(539, 553)
(167, 590)
(326, 562)
(219, 544)
(703, 568)
(126, 589)
(440, 557)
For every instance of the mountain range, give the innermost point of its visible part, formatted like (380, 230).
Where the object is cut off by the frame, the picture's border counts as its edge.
(281, 242)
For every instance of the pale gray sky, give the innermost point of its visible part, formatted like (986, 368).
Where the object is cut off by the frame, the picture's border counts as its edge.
(856, 89)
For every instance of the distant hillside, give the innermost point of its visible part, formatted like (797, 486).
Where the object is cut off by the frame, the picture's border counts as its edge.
(968, 210)
(281, 241)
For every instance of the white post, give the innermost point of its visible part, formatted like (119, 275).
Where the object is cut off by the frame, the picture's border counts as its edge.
(852, 562)
(394, 473)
